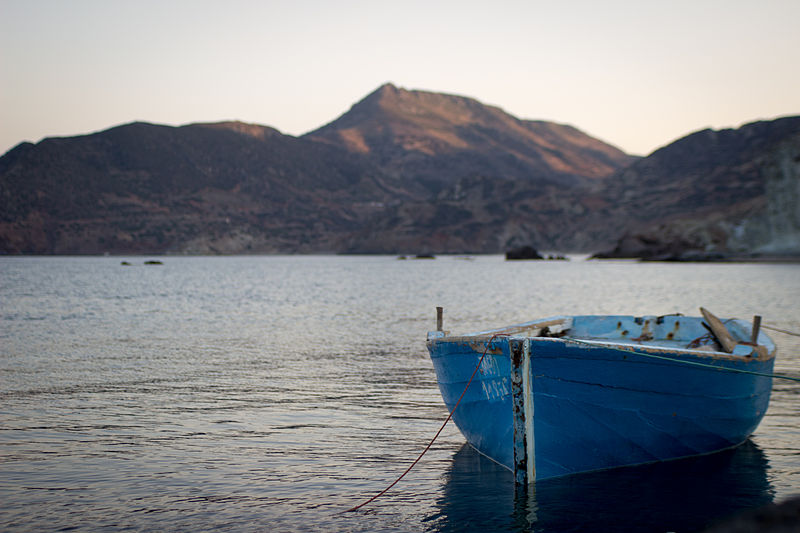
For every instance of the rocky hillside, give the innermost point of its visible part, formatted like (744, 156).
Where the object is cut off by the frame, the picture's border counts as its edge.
(204, 188)
(434, 140)
(486, 215)
(775, 229)
(385, 170)
(712, 194)
(401, 172)
(708, 195)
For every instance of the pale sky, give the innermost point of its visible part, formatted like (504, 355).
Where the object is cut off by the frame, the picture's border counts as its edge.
(637, 74)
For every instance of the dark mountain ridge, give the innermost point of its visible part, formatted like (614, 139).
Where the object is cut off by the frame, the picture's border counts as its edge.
(437, 139)
(712, 166)
(150, 188)
(713, 192)
(401, 172)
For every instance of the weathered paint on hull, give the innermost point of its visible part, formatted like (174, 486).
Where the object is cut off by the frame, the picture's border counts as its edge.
(598, 407)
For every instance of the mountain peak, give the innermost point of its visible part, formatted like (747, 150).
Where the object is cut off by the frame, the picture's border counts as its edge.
(415, 103)
(404, 129)
(387, 87)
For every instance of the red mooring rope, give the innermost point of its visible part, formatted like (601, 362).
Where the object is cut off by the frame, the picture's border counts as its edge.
(449, 416)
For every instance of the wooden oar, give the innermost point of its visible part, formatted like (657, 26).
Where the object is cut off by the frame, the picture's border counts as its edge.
(719, 330)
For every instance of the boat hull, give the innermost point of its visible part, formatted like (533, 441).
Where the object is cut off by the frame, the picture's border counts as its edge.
(595, 406)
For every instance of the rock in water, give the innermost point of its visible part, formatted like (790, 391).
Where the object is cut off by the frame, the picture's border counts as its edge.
(523, 252)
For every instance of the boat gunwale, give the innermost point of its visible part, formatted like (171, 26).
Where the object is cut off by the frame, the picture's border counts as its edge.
(517, 331)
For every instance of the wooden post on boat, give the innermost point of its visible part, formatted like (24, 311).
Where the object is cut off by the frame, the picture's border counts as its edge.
(439, 312)
(522, 406)
(756, 328)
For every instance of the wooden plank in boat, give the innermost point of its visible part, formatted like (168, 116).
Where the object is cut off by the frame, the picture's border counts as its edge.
(720, 331)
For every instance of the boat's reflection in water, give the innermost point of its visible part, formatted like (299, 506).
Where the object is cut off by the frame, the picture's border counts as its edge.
(683, 495)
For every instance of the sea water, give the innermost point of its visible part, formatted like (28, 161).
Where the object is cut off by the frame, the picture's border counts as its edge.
(273, 393)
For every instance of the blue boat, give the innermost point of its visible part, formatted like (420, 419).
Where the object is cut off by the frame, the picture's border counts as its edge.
(563, 395)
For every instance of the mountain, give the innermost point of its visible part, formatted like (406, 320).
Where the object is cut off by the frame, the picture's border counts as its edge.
(202, 188)
(243, 188)
(712, 193)
(401, 172)
(433, 140)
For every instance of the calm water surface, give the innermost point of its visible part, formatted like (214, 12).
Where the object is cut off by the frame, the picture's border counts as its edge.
(274, 393)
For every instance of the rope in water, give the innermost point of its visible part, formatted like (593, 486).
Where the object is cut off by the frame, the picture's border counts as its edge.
(773, 328)
(449, 416)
